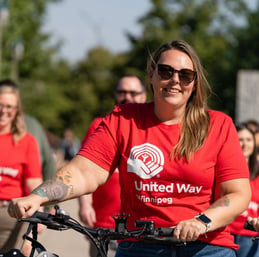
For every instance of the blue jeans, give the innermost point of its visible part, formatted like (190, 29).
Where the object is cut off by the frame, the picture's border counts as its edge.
(248, 247)
(193, 249)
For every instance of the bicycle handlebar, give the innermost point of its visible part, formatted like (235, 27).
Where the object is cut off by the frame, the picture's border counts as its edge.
(100, 237)
(62, 221)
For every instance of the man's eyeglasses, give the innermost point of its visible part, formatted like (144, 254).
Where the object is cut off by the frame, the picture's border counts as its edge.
(125, 92)
(8, 108)
(166, 72)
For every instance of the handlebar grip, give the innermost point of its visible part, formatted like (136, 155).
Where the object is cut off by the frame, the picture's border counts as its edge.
(41, 215)
(166, 232)
(37, 217)
(47, 219)
(249, 226)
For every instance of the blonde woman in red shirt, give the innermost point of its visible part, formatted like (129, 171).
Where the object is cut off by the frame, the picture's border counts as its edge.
(180, 163)
(20, 168)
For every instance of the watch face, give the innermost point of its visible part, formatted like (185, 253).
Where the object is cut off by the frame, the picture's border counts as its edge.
(204, 218)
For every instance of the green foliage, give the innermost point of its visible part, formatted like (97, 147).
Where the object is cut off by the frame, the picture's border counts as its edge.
(224, 34)
(97, 71)
(206, 25)
(247, 48)
(25, 21)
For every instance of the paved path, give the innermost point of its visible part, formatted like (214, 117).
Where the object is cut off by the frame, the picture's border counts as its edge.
(67, 243)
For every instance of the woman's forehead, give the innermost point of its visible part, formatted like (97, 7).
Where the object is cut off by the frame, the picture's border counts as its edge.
(175, 57)
(8, 97)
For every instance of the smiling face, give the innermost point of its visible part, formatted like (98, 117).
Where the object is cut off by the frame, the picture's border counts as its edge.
(8, 109)
(172, 94)
(247, 142)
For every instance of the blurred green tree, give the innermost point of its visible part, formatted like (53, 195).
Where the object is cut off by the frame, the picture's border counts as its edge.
(207, 26)
(246, 47)
(224, 33)
(39, 73)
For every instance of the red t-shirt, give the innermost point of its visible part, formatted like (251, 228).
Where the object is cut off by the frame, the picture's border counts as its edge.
(237, 226)
(106, 199)
(95, 123)
(153, 185)
(18, 162)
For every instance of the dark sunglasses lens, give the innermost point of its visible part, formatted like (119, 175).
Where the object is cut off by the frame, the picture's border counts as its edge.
(165, 72)
(186, 76)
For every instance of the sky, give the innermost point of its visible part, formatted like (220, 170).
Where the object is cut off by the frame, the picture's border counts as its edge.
(83, 24)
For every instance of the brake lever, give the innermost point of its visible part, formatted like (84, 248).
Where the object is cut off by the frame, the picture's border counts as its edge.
(61, 214)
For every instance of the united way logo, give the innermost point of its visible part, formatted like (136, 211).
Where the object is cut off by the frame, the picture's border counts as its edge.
(145, 160)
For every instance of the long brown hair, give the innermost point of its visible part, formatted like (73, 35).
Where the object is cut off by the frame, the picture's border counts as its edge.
(196, 121)
(18, 127)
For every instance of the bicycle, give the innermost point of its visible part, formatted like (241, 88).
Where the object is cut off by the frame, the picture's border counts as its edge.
(100, 237)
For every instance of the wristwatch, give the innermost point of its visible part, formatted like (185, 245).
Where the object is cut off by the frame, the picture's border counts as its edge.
(205, 220)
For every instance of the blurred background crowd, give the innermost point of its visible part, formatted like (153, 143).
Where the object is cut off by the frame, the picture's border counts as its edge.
(60, 94)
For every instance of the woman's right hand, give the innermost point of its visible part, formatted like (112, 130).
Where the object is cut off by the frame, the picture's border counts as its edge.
(24, 207)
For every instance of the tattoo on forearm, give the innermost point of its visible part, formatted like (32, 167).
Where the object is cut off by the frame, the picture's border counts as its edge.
(222, 202)
(63, 176)
(57, 188)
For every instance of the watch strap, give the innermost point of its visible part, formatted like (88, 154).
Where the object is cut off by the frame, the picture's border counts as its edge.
(205, 220)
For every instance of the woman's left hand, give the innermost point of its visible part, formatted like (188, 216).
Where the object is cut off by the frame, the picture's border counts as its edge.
(189, 230)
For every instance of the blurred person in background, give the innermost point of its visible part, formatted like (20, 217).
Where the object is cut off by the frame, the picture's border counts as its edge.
(243, 237)
(257, 145)
(70, 144)
(254, 125)
(34, 127)
(20, 166)
(48, 166)
(96, 210)
(47, 160)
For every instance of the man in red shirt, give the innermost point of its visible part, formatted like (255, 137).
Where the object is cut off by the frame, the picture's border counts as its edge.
(96, 210)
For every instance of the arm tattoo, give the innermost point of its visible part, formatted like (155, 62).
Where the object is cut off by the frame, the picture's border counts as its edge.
(222, 202)
(56, 189)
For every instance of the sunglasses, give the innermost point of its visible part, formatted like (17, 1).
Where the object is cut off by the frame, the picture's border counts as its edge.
(132, 93)
(166, 72)
(8, 108)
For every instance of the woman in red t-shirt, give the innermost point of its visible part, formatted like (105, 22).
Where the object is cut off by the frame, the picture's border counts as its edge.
(180, 164)
(20, 168)
(243, 237)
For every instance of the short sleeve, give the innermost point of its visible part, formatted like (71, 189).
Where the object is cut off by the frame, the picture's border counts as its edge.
(101, 146)
(231, 163)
